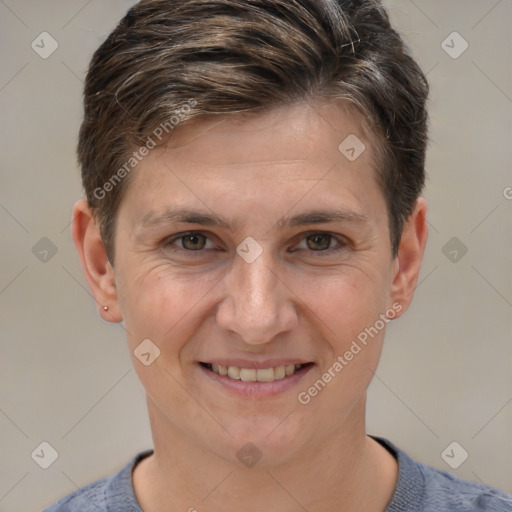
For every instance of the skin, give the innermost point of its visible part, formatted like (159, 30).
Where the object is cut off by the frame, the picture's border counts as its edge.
(299, 299)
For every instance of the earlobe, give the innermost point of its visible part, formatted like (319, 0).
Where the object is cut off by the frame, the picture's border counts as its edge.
(410, 256)
(95, 264)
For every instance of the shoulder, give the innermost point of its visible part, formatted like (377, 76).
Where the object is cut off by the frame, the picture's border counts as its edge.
(90, 498)
(443, 489)
(423, 488)
(110, 494)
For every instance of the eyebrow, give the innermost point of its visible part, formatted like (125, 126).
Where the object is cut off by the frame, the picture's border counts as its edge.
(186, 216)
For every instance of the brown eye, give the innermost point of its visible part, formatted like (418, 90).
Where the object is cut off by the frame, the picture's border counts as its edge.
(319, 242)
(193, 242)
(189, 242)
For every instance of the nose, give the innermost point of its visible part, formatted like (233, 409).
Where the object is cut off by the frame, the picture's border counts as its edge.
(257, 304)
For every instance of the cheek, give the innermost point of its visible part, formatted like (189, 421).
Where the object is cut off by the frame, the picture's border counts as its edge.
(353, 332)
(348, 312)
(346, 302)
(155, 302)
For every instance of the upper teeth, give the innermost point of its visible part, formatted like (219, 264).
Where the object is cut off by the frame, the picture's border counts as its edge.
(259, 374)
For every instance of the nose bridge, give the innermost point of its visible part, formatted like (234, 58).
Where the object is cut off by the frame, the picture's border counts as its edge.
(256, 305)
(260, 283)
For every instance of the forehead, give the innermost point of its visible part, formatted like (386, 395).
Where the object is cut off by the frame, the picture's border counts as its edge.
(297, 132)
(285, 155)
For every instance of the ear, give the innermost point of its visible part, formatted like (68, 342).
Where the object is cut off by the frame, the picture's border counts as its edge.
(95, 265)
(410, 255)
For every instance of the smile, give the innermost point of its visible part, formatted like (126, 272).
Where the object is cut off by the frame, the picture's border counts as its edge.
(265, 381)
(254, 374)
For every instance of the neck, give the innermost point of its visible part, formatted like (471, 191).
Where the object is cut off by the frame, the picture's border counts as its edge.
(343, 471)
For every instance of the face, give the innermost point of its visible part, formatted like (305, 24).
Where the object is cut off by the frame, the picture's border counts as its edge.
(254, 246)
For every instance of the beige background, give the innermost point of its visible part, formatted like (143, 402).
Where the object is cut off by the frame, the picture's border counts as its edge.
(66, 376)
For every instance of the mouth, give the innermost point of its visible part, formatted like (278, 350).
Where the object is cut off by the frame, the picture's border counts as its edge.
(255, 374)
(266, 380)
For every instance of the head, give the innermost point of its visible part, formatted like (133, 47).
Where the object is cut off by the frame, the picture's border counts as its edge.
(253, 115)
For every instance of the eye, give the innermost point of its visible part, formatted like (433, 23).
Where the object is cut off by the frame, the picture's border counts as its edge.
(192, 241)
(321, 242)
(318, 242)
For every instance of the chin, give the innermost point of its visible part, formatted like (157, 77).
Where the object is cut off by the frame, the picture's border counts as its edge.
(263, 440)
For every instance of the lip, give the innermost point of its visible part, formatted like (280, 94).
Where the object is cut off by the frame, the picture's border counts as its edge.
(257, 389)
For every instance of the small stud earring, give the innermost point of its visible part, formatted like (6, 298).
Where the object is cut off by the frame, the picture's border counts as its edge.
(105, 308)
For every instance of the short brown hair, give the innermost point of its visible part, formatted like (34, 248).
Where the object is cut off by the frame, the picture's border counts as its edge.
(241, 56)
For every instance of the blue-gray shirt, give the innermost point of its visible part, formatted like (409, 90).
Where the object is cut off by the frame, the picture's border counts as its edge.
(419, 488)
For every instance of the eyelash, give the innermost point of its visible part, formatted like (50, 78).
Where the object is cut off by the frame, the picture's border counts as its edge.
(341, 243)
